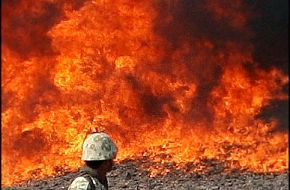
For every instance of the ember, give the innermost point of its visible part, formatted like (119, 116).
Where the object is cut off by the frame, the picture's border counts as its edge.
(172, 81)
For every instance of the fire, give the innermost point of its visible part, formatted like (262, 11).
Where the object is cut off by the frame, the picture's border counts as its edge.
(164, 89)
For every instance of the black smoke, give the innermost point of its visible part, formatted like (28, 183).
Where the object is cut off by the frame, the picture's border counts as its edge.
(266, 32)
(25, 24)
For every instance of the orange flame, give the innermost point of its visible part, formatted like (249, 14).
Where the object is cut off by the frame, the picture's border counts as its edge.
(112, 65)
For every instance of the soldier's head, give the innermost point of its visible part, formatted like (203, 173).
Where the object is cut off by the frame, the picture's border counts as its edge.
(99, 150)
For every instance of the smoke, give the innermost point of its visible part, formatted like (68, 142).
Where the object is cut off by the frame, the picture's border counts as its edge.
(271, 40)
(196, 34)
(271, 28)
(25, 24)
(192, 20)
(258, 30)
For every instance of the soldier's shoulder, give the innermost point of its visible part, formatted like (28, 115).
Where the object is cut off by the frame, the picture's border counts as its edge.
(79, 183)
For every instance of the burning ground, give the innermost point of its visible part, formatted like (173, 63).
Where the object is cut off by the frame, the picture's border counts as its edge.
(129, 175)
(174, 81)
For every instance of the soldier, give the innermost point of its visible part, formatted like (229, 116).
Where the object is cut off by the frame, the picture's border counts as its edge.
(98, 153)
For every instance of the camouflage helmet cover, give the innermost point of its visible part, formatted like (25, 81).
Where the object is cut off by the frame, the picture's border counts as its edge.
(99, 146)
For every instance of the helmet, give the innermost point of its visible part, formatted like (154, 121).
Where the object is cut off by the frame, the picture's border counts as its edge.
(99, 146)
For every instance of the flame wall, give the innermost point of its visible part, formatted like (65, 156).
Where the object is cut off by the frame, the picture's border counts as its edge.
(174, 77)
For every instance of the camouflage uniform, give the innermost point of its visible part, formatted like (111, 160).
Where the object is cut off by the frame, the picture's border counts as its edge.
(96, 147)
(81, 183)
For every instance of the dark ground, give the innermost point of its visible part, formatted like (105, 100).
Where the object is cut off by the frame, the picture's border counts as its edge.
(129, 175)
